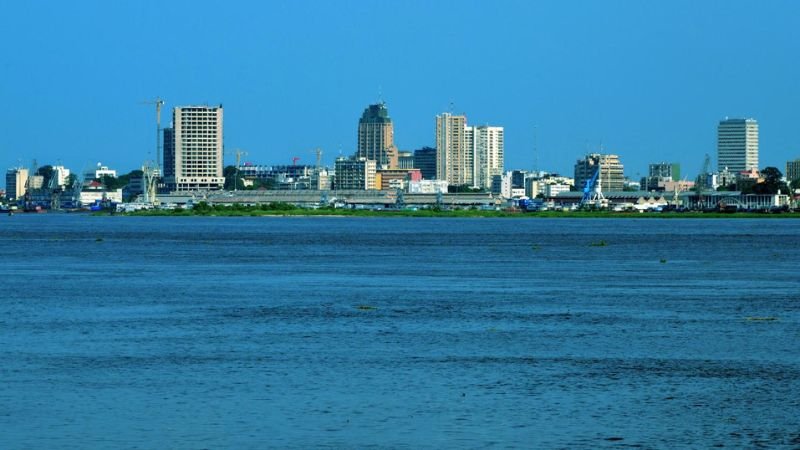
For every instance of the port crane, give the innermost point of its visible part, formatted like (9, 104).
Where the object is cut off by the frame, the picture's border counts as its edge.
(701, 183)
(158, 102)
(151, 171)
(239, 153)
(593, 191)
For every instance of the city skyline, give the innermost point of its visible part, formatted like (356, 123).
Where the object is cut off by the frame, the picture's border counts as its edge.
(647, 82)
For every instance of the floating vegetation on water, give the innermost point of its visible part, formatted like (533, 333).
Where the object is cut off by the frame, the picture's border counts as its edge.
(366, 308)
(663, 261)
(761, 319)
(599, 243)
(535, 247)
(99, 240)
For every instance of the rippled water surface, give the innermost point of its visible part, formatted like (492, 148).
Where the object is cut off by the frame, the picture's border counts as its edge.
(398, 333)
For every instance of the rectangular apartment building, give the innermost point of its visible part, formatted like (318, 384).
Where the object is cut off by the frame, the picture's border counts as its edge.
(612, 176)
(793, 170)
(485, 143)
(737, 145)
(195, 154)
(453, 161)
(355, 174)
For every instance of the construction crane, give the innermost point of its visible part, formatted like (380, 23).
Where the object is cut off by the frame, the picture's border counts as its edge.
(295, 159)
(702, 181)
(239, 153)
(76, 189)
(31, 173)
(151, 171)
(159, 103)
(318, 167)
(55, 191)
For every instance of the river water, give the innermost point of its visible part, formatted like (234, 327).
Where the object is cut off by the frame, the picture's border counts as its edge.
(189, 332)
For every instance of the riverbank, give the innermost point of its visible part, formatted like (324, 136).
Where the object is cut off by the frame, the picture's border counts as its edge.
(254, 211)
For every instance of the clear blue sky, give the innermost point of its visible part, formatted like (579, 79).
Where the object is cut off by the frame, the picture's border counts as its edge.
(648, 80)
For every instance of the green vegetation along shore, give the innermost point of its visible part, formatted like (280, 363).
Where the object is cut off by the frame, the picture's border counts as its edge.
(282, 209)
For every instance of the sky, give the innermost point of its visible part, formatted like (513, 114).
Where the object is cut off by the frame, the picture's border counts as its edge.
(648, 81)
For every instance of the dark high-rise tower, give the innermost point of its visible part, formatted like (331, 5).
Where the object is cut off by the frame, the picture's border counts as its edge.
(168, 165)
(376, 136)
(425, 161)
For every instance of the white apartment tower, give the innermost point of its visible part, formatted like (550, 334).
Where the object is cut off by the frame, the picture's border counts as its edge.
(452, 163)
(485, 143)
(737, 144)
(196, 153)
(467, 155)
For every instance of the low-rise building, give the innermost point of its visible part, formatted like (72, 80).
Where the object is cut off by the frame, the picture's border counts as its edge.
(428, 187)
(392, 179)
(94, 192)
(355, 173)
(99, 172)
(552, 190)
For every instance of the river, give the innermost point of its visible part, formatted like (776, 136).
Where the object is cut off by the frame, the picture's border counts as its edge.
(203, 332)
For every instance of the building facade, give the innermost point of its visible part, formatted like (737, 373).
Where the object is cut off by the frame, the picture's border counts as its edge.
(737, 144)
(466, 155)
(612, 177)
(16, 182)
(60, 176)
(376, 137)
(405, 160)
(660, 173)
(195, 151)
(665, 170)
(793, 170)
(391, 179)
(453, 161)
(425, 161)
(99, 172)
(168, 165)
(281, 177)
(354, 174)
(487, 147)
(427, 187)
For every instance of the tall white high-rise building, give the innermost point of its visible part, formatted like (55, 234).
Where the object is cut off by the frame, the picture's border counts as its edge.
(195, 152)
(451, 155)
(467, 155)
(486, 145)
(737, 144)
